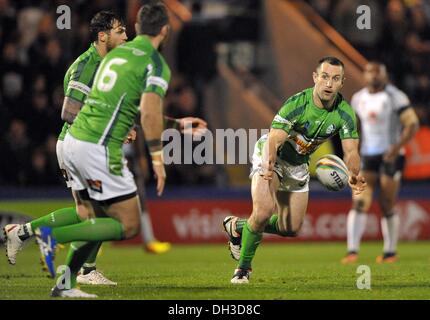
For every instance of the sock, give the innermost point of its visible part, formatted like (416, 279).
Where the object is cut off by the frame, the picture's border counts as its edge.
(146, 227)
(390, 232)
(58, 218)
(76, 256)
(90, 263)
(98, 229)
(271, 227)
(240, 223)
(250, 242)
(355, 225)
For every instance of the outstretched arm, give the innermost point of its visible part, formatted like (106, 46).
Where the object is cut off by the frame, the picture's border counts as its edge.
(352, 161)
(151, 119)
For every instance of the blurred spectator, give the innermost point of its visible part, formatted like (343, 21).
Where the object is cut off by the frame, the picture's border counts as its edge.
(15, 147)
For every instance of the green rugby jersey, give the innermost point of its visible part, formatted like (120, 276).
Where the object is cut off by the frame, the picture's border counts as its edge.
(113, 103)
(79, 79)
(309, 126)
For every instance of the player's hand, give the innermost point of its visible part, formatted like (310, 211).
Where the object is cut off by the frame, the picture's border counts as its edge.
(131, 136)
(391, 154)
(357, 183)
(160, 176)
(266, 170)
(194, 126)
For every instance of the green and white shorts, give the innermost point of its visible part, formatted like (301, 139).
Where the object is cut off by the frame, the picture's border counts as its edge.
(292, 178)
(89, 168)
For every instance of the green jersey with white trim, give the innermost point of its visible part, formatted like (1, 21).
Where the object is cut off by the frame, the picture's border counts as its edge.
(308, 126)
(79, 79)
(110, 110)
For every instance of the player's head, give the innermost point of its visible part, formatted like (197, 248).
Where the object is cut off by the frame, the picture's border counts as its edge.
(108, 29)
(329, 78)
(153, 20)
(375, 75)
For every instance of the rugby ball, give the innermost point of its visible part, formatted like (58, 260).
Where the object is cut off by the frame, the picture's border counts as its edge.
(332, 172)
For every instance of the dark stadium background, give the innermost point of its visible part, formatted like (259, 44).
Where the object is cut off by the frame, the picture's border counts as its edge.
(233, 63)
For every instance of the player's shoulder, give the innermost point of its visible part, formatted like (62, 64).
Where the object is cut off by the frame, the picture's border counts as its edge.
(298, 98)
(397, 96)
(89, 57)
(392, 90)
(343, 104)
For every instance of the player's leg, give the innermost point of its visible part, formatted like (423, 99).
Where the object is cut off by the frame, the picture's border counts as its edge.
(122, 223)
(151, 244)
(390, 184)
(263, 204)
(357, 217)
(16, 234)
(292, 209)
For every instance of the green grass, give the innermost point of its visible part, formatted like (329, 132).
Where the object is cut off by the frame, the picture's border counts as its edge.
(281, 271)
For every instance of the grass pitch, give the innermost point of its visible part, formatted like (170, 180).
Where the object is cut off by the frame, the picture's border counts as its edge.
(281, 271)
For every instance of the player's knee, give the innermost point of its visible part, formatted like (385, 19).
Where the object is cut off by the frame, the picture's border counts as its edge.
(360, 205)
(83, 212)
(386, 207)
(131, 230)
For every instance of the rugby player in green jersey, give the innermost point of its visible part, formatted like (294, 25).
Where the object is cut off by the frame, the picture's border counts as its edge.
(280, 174)
(133, 77)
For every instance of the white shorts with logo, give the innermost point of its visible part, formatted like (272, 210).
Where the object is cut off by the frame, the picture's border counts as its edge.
(60, 159)
(87, 164)
(292, 178)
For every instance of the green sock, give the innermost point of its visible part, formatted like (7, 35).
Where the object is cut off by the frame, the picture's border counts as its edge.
(59, 218)
(271, 227)
(91, 260)
(98, 229)
(78, 253)
(250, 242)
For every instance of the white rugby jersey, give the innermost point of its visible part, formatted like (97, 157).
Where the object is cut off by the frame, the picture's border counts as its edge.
(379, 115)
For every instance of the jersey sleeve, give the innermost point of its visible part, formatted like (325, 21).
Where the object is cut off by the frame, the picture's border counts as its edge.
(80, 81)
(157, 76)
(348, 128)
(400, 100)
(288, 115)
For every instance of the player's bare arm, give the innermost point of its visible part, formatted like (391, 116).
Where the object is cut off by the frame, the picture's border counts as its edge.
(352, 161)
(151, 109)
(70, 110)
(410, 124)
(276, 138)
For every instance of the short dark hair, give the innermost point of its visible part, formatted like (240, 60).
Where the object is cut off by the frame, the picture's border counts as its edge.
(331, 60)
(103, 21)
(151, 18)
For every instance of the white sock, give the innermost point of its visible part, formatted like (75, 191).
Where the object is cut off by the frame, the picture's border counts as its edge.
(390, 232)
(146, 227)
(355, 225)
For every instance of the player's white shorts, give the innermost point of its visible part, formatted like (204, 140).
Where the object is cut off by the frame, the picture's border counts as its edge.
(60, 157)
(292, 178)
(88, 166)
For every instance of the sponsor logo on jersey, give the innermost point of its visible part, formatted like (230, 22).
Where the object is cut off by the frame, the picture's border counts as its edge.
(95, 185)
(331, 128)
(302, 145)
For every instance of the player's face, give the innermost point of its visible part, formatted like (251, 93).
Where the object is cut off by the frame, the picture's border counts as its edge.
(116, 36)
(375, 75)
(328, 81)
